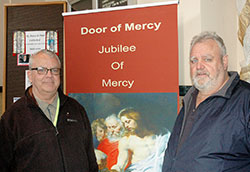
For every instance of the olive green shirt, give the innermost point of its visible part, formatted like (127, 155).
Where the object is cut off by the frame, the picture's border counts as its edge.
(48, 109)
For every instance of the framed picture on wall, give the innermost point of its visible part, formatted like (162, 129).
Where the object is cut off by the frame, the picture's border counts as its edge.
(23, 59)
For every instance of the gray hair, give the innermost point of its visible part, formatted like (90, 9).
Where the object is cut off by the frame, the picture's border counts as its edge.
(113, 117)
(47, 52)
(206, 35)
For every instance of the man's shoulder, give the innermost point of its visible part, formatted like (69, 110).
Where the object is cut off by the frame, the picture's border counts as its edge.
(19, 107)
(71, 100)
(244, 85)
(21, 103)
(243, 89)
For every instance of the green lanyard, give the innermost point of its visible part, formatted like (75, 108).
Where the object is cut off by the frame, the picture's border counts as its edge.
(57, 112)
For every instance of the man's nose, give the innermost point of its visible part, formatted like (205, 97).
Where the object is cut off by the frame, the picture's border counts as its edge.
(199, 65)
(49, 73)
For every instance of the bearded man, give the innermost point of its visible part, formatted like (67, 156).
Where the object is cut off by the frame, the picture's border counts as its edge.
(109, 145)
(212, 130)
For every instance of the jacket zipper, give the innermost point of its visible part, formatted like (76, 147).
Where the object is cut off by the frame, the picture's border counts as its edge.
(58, 141)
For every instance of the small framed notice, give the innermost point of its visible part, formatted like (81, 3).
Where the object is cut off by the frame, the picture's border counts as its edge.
(23, 59)
(35, 41)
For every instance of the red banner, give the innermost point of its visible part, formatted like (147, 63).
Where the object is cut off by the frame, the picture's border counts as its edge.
(122, 66)
(127, 50)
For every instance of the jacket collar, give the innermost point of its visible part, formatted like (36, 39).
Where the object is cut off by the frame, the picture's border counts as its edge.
(225, 91)
(31, 99)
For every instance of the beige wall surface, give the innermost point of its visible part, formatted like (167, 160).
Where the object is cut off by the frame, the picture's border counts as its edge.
(194, 16)
(222, 17)
(189, 20)
(210, 15)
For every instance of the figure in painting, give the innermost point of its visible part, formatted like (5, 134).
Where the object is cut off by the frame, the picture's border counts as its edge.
(143, 147)
(109, 145)
(99, 131)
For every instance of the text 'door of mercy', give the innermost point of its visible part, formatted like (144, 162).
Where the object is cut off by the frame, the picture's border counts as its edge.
(119, 48)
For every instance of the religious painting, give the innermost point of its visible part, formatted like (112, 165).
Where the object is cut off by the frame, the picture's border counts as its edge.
(130, 130)
(18, 42)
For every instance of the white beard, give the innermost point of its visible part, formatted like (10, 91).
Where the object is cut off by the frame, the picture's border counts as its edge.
(115, 137)
(206, 85)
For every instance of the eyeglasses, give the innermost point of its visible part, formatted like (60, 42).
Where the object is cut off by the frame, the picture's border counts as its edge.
(44, 70)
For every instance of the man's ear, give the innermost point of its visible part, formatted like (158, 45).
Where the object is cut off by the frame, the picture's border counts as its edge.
(225, 62)
(29, 73)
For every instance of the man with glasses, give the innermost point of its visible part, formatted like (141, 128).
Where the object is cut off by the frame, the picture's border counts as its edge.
(46, 130)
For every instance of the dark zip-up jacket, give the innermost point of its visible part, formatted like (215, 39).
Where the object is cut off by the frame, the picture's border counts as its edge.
(219, 140)
(29, 142)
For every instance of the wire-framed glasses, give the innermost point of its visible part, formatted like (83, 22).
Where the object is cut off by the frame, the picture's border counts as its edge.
(44, 70)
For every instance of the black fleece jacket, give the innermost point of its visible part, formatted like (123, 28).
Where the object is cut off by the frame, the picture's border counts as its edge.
(30, 142)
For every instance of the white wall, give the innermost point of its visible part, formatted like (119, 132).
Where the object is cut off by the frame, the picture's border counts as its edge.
(222, 17)
(194, 16)
(189, 20)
